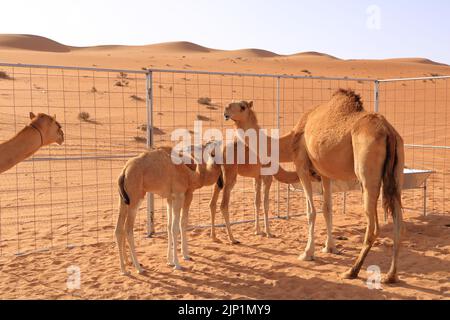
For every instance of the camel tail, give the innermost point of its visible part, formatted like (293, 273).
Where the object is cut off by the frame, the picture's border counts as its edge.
(123, 194)
(220, 182)
(393, 173)
(287, 177)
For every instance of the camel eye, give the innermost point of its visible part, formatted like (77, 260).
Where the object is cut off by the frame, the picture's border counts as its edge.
(242, 108)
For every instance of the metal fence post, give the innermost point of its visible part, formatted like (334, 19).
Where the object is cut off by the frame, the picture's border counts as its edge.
(149, 106)
(278, 127)
(377, 96)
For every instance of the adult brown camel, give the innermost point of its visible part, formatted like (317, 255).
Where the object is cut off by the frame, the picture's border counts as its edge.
(244, 118)
(345, 142)
(155, 171)
(41, 131)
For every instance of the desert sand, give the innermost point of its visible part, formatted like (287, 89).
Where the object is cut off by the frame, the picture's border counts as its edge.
(67, 209)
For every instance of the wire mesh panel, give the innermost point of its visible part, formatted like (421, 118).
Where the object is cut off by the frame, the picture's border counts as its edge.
(299, 95)
(66, 195)
(181, 98)
(419, 110)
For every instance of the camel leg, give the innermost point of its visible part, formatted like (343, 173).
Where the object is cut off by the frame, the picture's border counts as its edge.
(370, 208)
(132, 210)
(224, 208)
(308, 255)
(213, 210)
(267, 180)
(229, 178)
(369, 161)
(169, 231)
(184, 225)
(175, 228)
(327, 209)
(120, 236)
(257, 203)
(391, 276)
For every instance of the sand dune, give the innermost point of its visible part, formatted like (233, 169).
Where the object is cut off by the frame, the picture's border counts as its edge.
(417, 60)
(253, 53)
(315, 54)
(31, 42)
(184, 55)
(180, 46)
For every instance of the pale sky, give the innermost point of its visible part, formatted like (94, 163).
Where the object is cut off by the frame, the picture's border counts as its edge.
(348, 29)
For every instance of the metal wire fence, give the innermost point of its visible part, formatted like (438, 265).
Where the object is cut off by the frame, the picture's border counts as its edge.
(419, 109)
(66, 196)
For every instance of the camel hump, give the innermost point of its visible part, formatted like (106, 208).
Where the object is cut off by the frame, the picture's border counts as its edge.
(347, 100)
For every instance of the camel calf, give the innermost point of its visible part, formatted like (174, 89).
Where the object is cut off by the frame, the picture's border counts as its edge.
(155, 172)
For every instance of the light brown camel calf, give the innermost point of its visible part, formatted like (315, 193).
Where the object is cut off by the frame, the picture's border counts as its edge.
(244, 117)
(155, 172)
(345, 142)
(41, 131)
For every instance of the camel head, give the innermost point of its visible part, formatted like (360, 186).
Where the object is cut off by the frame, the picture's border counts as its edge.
(49, 129)
(238, 111)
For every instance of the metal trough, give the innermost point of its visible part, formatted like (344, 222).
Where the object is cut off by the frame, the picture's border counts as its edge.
(413, 179)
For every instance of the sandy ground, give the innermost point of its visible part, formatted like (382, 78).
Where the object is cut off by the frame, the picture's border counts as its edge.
(73, 204)
(259, 268)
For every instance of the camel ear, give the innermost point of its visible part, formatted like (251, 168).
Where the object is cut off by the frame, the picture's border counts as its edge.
(54, 117)
(250, 104)
(32, 116)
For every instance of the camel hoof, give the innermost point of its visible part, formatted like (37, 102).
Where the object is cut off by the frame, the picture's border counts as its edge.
(350, 275)
(332, 250)
(269, 235)
(188, 258)
(258, 233)
(178, 267)
(390, 279)
(125, 273)
(170, 264)
(235, 242)
(140, 271)
(306, 257)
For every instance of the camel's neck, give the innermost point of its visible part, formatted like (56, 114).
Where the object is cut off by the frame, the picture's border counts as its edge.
(205, 175)
(285, 142)
(21, 146)
(250, 123)
(286, 146)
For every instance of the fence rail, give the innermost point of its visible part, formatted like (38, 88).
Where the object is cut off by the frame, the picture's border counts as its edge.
(65, 196)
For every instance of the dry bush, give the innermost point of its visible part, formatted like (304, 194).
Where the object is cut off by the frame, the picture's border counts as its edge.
(84, 116)
(136, 98)
(156, 131)
(140, 139)
(203, 118)
(142, 127)
(204, 101)
(306, 71)
(123, 82)
(4, 76)
(93, 90)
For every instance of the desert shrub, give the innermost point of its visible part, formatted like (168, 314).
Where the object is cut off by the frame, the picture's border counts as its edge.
(203, 118)
(204, 101)
(140, 139)
(136, 98)
(84, 116)
(4, 76)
